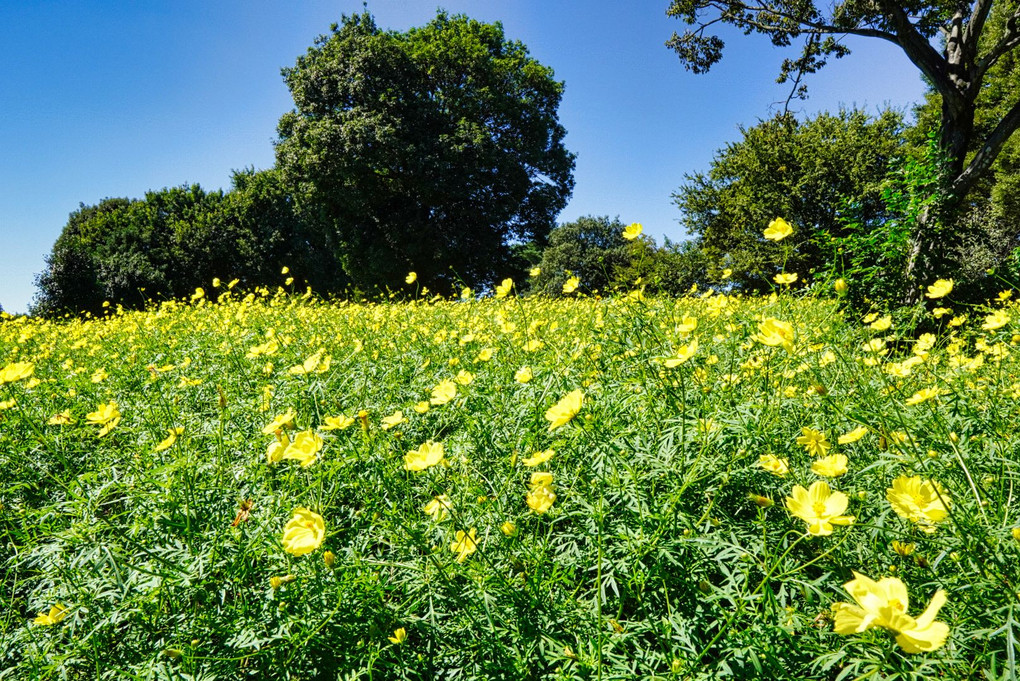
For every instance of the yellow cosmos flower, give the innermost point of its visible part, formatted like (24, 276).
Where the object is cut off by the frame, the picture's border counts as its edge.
(314, 363)
(541, 479)
(107, 416)
(57, 613)
(903, 549)
(884, 604)
(508, 529)
(534, 271)
(840, 287)
(853, 436)
(785, 278)
(279, 423)
(444, 392)
(921, 501)
(996, 320)
(940, 289)
(337, 422)
(61, 419)
(465, 544)
(819, 507)
(538, 458)
(940, 312)
(727, 273)
(687, 325)
(427, 455)
(439, 508)
(524, 375)
(393, 420)
(774, 464)
(399, 636)
(683, 353)
(169, 440)
(571, 284)
(411, 277)
(773, 332)
(813, 441)
(304, 532)
(565, 410)
(923, 395)
(831, 466)
(304, 448)
(778, 230)
(541, 498)
(503, 290)
(464, 377)
(881, 324)
(633, 231)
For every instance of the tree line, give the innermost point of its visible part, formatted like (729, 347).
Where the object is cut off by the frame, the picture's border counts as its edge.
(438, 150)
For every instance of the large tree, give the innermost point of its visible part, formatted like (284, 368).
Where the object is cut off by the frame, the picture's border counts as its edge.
(435, 150)
(954, 44)
(811, 172)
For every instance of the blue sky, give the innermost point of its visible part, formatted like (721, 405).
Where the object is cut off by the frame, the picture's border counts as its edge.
(113, 98)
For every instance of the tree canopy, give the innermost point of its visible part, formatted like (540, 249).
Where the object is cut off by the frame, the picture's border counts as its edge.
(810, 172)
(435, 150)
(977, 37)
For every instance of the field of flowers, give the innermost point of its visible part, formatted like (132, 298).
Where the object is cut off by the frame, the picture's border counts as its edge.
(266, 485)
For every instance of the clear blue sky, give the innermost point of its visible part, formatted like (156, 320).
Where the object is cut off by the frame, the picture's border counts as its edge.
(113, 98)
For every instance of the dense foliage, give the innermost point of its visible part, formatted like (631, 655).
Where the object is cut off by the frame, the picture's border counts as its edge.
(434, 150)
(268, 486)
(815, 173)
(130, 251)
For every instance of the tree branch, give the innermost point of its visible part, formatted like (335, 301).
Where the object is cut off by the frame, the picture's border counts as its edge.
(1009, 41)
(919, 50)
(988, 152)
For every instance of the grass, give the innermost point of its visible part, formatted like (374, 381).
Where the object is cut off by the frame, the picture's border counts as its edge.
(153, 541)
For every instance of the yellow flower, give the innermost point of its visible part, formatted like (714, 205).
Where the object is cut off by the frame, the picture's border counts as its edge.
(107, 416)
(57, 613)
(508, 529)
(61, 419)
(540, 499)
(399, 636)
(464, 377)
(566, 409)
(304, 532)
(439, 508)
(337, 422)
(773, 332)
(444, 392)
(279, 423)
(314, 363)
(903, 548)
(571, 284)
(285, 270)
(541, 479)
(917, 500)
(727, 273)
(465, 545)
(996, 320)
(633, 231)
(393, 420)
(940, 289)
(884, 604)
(778, 230)
(535, 271)
(411, 277)
(819, 507)
(923, 395)
(198, 294)
(882, 324)
(683, 353)
(170, 439)
(940, 312)
(831, 466)
(774, 464)
(523, 375)
(503, 290)
(687, 325)
(427, 455)
(813, 441)
(853, 436)
(840, 286)
(539, 458)
(785, 278)
(303, 449)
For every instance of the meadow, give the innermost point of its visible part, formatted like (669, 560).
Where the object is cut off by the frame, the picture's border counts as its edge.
(266, 485)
